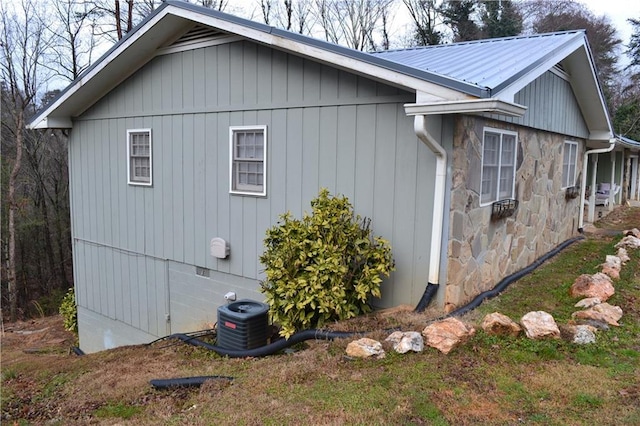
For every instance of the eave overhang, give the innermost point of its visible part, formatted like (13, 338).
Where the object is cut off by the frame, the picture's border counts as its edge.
(475, 106)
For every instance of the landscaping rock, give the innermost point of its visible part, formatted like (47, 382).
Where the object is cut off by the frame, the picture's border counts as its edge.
(540, 325)
(629, 241)
(406, 342)
(598, 325)
(588, 302)
(623, 255)
(604, 312)
(612, 266)
(635, 232)
(578, 334)
(365, 348)
(499, 324)
(597, 285)
(447, 334)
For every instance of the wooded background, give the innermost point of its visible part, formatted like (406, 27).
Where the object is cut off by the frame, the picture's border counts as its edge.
(46, 44)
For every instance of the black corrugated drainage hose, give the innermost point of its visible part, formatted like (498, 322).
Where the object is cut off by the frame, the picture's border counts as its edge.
(269, 349)
(432, 289)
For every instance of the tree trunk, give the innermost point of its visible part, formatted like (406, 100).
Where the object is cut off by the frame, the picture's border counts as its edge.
(13, 207)
(118, 23)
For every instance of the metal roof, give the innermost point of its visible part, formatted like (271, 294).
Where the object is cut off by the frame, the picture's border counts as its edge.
(485, 63)
(629, 143)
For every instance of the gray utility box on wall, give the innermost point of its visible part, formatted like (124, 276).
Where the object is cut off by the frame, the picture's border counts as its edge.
(243, 325)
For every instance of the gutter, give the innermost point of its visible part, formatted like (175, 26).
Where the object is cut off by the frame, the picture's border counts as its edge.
(420, 128)
(583, 189)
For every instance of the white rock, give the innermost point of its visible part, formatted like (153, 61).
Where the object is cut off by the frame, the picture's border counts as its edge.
(540, 325)
(623, 255)
(629, 241)
(588, 302)
(406, 342)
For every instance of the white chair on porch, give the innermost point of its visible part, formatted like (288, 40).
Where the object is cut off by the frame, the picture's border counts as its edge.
(603, 190)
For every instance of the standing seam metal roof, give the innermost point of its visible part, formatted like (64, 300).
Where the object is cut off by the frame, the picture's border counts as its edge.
(485, 63)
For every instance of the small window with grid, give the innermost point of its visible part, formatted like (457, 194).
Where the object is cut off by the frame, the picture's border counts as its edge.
(248, 158)
(139, 170)
(569, 161)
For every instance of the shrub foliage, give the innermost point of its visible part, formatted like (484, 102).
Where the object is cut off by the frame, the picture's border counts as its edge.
(324, 267)
(69, 311)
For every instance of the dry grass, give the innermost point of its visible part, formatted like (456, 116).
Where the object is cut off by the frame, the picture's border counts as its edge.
(490, 381)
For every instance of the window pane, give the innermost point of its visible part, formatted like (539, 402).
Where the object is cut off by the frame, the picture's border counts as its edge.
(508, 149)
(248, 162)
(140, 157)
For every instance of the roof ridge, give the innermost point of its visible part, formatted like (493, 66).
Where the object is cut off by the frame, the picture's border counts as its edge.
(481, 41)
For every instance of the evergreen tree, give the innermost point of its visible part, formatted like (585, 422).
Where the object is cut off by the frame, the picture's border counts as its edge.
(501, 19)
(458, 15)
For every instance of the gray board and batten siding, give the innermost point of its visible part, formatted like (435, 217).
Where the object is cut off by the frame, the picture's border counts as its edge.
(551, 106)
(136, 249)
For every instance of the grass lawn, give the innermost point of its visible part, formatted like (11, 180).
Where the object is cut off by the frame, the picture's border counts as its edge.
(489, 381)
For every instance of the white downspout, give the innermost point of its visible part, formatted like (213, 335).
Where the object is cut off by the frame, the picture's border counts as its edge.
(612, 144)
(420, 128)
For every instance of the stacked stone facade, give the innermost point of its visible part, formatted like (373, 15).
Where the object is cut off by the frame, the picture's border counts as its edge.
(482, 251)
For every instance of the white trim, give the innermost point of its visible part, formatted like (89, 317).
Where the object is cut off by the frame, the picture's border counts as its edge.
(496, 106)
(575, 164)
(555, 70)
(233, 129)
(509, 92)
(501, 132)
(135, 182)
(198, 44)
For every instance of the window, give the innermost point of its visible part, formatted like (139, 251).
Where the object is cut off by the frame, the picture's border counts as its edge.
(569, 161)
(139, 157)
(499, 151)
(248, 158)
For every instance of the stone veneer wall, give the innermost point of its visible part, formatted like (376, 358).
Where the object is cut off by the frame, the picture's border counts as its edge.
(481, 251)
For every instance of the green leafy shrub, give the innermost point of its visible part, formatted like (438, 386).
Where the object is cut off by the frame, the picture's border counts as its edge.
(324, 267)
(69, 311)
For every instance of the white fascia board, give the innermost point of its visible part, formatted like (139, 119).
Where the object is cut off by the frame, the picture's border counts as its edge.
(600, 135)
(496, 106)
(41, 119)
(509, 92)
(52, 123)
(325, 56)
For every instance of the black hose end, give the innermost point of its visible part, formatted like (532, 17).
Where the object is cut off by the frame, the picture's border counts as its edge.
(581, 230)
(76, 350)
(429, 292)
(185, 381)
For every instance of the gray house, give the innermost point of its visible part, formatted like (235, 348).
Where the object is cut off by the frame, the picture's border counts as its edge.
(195, 132)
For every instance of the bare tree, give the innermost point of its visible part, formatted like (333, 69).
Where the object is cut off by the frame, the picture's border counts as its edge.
(75, 43)
(426, 16)
(24, 40)
(353, 22)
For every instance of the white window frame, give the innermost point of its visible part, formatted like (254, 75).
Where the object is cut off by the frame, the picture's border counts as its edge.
(570, 179)
(232, 184)
(132, 180)
(499, 166)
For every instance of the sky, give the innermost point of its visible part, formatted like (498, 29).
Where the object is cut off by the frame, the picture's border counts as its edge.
(618, 12)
